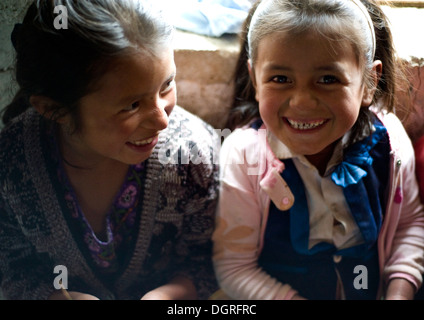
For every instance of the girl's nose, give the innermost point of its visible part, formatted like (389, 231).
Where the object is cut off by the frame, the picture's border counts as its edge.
(159, 115)
(303, 98)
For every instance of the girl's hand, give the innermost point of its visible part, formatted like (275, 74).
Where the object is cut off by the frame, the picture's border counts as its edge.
(180, 288)
(400, 289)
(157, 294)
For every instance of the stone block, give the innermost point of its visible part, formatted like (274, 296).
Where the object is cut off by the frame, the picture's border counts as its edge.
(413, 119)
(11, 12)
(205, 75)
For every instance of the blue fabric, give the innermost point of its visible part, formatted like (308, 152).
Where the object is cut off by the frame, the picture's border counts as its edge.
(313, 272)
(362, 196)
(257, 124)
(349, 171)
(299, 223)
(212, 18)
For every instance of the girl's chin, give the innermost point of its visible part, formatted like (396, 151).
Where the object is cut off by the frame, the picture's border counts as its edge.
(307, 148)
(137, 160)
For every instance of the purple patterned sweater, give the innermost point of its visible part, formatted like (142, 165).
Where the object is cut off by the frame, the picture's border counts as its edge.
(173, 223)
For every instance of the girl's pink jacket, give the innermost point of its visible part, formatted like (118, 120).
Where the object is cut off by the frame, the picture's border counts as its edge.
(247, 165)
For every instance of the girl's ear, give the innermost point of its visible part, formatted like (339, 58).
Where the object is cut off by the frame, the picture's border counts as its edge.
(252, 76)
(45, 106)
(375, 77)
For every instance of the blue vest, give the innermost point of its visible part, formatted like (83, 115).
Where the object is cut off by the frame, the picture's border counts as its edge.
(314, 272)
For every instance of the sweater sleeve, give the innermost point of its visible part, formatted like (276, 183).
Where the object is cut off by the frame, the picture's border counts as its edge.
(194, 198)
(194, 245)
(238, 235)
(24, 273)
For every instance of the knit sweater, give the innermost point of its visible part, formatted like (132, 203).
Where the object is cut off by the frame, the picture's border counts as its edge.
(175, 217)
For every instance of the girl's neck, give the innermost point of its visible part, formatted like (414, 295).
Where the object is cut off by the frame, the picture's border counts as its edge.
(95, 181)
(320, 160)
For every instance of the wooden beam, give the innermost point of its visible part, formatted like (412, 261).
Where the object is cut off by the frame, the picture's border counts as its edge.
(403, 3)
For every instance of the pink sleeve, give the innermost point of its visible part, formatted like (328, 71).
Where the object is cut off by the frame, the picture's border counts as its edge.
(404, 241)
(237, 234)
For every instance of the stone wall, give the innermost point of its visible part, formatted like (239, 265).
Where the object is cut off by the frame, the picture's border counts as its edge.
(11, 12)
(205, 75)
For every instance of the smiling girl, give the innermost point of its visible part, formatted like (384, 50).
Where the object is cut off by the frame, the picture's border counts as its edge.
(337, 188)
(81, 183)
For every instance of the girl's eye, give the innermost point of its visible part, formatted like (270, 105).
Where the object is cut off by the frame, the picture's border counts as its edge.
(328, 79)
(132, 107)
(280, 79)
(168, 86)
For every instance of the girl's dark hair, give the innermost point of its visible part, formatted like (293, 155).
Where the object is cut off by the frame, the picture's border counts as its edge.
(64, 64)
(245, 107)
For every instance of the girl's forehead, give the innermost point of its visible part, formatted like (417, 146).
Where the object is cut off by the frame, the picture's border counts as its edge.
(310, 40)
(305, 51)
(141, 57)
(136, 67)
(309, 35)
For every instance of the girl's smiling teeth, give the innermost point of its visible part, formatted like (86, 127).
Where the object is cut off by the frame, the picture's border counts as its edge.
(139, 143)
(305, 125)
